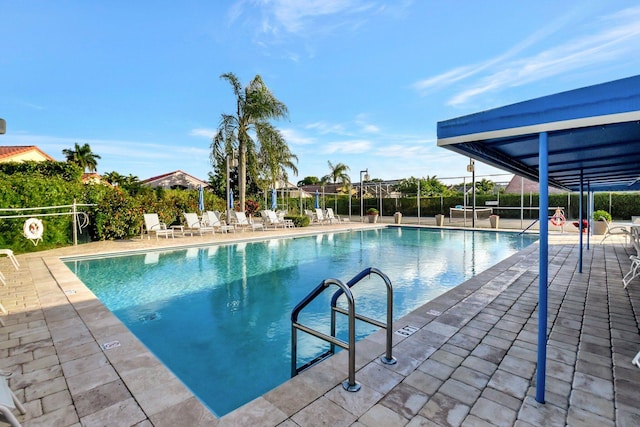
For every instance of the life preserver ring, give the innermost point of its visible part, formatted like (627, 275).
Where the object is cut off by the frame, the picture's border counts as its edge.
(33, 229)
(557, 220)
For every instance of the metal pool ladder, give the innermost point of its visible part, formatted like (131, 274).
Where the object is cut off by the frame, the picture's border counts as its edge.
(350, 384)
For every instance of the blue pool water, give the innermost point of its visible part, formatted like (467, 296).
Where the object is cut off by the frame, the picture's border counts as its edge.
(219, 316)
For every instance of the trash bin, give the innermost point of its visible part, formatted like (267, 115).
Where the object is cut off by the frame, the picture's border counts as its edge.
(397, 217)
(440, 220)
(494, 220)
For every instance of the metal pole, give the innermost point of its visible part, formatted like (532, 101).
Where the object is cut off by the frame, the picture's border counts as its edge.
(543, 266)
(75, 224)
(228, 189)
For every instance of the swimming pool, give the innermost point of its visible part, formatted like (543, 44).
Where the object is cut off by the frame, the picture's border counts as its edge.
(219, 316)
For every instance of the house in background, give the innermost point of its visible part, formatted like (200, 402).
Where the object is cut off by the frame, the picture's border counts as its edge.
(23, 153)
(519, 184)
(176, 179)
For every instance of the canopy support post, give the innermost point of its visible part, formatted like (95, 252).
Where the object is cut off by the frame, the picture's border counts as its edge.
(543, 158)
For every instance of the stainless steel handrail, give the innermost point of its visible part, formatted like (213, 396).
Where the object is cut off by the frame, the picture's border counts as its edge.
(350, 346)
(388, 357)
(350, 384)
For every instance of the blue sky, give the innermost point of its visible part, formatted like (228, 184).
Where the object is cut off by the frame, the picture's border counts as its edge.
(365, 81)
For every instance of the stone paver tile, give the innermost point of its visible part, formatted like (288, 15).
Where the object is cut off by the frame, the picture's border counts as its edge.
(405, 400)
(517, 366)
(593, 385)
(378, 377)
(295, 394)
(124, 413)
(321, 412)
(41, 363)
(458, 390)
(480, 365)
(444, 410)
(489, 353)
(560, 370)
(447, 358)
(61, 417)
(45, 388)
(56, 401)
(188, 413)
(470, 377)
(580, 418)
(502, 398)
(380, 415)
(626, 418)
(509, 383)
(592, 403)
(541, 414)
(494, 412)
(101, 397)
(436, 369)
(356, 403)
(423, 382)
(88, 380)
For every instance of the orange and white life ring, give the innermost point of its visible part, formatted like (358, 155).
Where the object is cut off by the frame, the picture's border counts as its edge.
(33, 229)
(557, 219)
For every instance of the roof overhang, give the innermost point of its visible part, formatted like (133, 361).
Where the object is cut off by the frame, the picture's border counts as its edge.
(593, 134)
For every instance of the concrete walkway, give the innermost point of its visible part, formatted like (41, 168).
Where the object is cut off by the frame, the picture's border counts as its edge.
(470, 361)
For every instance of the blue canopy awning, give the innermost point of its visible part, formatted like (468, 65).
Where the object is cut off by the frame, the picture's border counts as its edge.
(593, 132)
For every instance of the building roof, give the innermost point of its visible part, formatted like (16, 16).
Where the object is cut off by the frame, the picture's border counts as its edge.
(175, 178)
(19, 152)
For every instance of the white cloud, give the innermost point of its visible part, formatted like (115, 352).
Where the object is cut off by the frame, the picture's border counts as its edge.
(614, 38)
(205, 132)
(347, 147)
(293, 137)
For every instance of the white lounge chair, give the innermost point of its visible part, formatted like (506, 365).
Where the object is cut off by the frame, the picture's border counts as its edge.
(636, 360)
(240, 219)
(193, 224)
(615, 231)
(9, 253)
(153, 225)
(270, 218)
(320, 216)
(9, 401)
(212, 219)
(333, 218)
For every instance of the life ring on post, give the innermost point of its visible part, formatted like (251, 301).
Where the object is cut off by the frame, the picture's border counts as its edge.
(33, 230)
(557, 219)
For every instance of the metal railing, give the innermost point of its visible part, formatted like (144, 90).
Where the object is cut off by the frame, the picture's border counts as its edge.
(344, 289)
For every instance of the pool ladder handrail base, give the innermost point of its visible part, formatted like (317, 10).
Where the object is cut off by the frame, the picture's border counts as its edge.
(344, 289)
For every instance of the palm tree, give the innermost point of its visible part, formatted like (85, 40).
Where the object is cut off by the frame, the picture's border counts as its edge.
(83, 157)
(338, 174)
(275, 158)
(255, 106)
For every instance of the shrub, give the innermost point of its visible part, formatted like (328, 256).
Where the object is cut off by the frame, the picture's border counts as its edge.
(599, 214)
(299, 220)
(372, 211)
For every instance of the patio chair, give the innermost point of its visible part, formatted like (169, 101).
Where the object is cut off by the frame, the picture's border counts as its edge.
(193, 224)
(335, 218)
(320, 216)
(615, 231)
(636, 360)
(270, 218)
(9, 401)
(9, 254)
(153, 225)
(240, 219)
(212, 219)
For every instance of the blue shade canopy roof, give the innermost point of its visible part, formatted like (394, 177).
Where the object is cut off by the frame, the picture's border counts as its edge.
(592, 131)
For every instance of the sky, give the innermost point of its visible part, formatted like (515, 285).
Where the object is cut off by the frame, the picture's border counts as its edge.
(365, 81)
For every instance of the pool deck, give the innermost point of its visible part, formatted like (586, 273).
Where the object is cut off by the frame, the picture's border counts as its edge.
(470, 362)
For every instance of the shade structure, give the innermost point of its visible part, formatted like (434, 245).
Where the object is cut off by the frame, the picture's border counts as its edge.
(317, 199)
(274, 199)
(201, 198)
(583, 138)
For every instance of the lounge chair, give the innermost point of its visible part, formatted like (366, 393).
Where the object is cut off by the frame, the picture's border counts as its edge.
(153, 225)
(320, 216)
(9, 253)
(636, 360)
(212, 219)
(270, 218)
(9, 401)
(193, 224)
(240, 219)
(615, 231)
(334, 218)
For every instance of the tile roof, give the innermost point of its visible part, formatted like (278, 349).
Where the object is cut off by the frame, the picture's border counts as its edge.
(8, 151)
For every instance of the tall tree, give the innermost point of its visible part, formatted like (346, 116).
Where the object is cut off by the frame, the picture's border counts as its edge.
(255, 107)
(276, 158)
(82, 156)
(338, 174)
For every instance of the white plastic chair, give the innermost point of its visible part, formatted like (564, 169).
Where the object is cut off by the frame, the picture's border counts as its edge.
(14, 260)
(9, 401)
